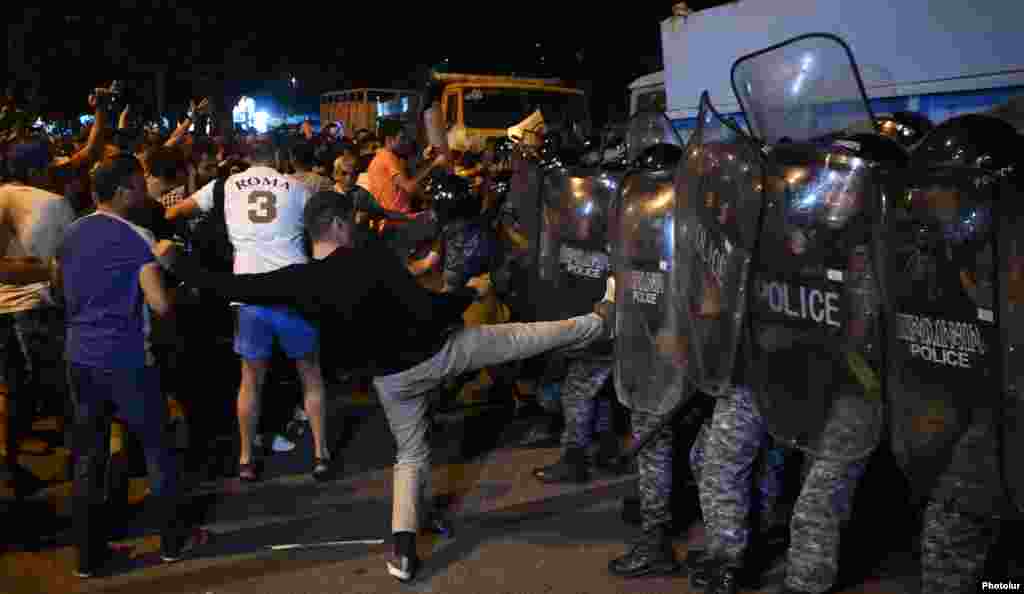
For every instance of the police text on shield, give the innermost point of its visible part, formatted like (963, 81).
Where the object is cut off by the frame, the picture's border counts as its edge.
(647, 286)
(581, 263)
(944, 342)
(804, 303)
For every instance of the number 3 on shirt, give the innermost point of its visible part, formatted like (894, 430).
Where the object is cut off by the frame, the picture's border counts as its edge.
(262, 207)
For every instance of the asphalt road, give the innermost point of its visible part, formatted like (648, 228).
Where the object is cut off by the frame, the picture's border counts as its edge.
(512, 534)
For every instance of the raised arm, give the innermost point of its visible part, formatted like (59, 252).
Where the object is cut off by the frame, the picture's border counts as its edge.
(412, 184)
(190, 118)
(93, 149)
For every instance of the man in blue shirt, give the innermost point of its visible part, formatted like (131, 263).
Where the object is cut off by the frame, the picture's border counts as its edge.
(111, 283)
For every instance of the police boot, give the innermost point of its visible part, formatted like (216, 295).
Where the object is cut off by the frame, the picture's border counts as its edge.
(608, 455)
(723, 579)
(572, 467)
(698, 565)
(651, 554)
(632, 513)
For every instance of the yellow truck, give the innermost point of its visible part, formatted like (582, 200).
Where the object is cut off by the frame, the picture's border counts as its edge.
(478, 106)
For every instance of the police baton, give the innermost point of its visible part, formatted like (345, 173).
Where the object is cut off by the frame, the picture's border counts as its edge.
(691, 411)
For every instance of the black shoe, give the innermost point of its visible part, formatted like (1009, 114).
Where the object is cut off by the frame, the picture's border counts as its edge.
(699, 564)
(723, 579)
(572, 467)
(175, 550)
(608, 457)
(439, 523)
(651, 554)
(631, 512)
(403, 568)
(100, 564)
(323, 470)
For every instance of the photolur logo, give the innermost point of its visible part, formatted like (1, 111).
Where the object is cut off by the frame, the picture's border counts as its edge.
(1000, 586)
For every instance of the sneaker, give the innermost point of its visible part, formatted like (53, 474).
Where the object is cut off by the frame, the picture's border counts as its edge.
(322, 469)
(403, 568)
(199, 537)
(282, 444)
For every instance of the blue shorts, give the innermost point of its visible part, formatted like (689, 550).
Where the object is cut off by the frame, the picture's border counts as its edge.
(258, 327)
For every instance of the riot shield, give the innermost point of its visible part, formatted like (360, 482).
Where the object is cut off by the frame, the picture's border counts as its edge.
(801, 89)
(814, 351)
(1011, 292)
(945, 356)
(573, 262)
(648, 374)
(718, 204)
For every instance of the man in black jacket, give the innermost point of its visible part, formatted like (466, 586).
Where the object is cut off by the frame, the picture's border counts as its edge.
(410, 339)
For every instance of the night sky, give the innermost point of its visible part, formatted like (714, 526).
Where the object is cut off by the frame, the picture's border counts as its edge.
(254, 51)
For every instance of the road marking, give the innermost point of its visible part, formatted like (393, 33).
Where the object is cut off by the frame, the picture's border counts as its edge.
(333, 543)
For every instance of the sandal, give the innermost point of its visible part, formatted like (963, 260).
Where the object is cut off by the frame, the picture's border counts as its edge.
(249, 473)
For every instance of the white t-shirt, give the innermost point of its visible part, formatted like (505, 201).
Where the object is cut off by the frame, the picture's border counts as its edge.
(34, 224)
(263, 211)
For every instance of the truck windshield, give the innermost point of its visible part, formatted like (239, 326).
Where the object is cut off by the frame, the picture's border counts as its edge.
(502, 108)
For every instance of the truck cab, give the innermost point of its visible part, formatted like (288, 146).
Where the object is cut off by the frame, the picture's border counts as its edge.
(478, 107)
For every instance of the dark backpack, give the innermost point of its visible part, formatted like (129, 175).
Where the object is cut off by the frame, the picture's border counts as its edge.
(210, 237)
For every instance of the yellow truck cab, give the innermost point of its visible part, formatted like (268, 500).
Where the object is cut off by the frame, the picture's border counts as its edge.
(478, 107)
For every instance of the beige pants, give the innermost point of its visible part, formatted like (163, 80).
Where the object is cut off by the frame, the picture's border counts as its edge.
(405, 404)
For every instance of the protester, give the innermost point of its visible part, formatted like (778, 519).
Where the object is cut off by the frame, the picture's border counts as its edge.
(263, 210)
(111, 281)
(381, 302)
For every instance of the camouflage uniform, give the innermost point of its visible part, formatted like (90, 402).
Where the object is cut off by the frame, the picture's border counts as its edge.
(655, 465)
(961, 522)
(468, 248)
(722, 460)
(584, 412)
(824, 504)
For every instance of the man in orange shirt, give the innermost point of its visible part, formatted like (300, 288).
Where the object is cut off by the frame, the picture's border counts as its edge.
(393, 189)
(388, 182)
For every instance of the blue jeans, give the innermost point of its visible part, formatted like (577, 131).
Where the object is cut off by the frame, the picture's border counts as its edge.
(133, 397)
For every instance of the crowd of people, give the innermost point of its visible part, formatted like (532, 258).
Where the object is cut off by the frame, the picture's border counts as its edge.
(104, 243)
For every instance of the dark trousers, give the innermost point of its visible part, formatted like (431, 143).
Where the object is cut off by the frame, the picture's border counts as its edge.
(133, 397)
